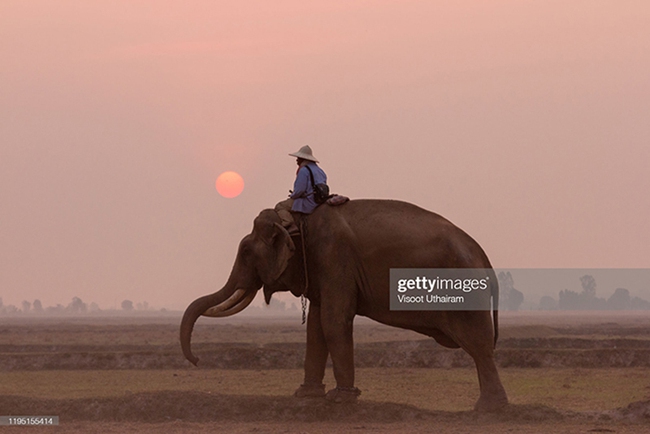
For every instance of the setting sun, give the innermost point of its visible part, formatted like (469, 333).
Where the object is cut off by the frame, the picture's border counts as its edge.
(230, 184)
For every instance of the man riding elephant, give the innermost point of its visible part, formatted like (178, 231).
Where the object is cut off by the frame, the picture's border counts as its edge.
(302, 198)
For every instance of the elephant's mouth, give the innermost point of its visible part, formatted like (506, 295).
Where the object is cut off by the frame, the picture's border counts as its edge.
(234, 304)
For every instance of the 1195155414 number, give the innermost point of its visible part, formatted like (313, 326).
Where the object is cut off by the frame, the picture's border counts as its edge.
(29, 420)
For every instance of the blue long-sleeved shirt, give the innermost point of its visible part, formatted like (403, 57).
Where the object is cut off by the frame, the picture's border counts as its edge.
(303, 191)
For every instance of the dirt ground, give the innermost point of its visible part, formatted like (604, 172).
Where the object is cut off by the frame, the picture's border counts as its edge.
(564, 374)
(332, 427)
(202, 412)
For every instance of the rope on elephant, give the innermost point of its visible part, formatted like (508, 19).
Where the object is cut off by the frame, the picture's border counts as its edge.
(303, 298)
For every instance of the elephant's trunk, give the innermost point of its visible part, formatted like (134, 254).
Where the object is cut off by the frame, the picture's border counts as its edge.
(195, 310)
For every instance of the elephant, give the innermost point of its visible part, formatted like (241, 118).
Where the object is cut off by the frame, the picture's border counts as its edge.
(348, 253)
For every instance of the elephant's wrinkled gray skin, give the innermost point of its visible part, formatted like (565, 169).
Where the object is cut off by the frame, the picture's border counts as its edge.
(350, 250)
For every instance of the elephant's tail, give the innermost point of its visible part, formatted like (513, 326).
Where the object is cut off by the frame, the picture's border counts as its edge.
(494, 289)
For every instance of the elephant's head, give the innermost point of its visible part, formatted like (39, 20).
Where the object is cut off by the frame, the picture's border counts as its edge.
(264, 258)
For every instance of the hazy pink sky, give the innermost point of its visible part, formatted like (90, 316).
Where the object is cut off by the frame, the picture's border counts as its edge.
(525, 123)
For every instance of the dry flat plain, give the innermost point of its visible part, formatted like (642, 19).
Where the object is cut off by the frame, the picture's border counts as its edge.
(565, 372)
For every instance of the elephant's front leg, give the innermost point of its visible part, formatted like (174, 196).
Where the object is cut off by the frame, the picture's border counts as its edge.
(315, 357)
(337, 328)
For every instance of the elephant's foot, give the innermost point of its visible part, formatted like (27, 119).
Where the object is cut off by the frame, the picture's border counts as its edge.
(343, 395)
(310, 391)
(491, 405)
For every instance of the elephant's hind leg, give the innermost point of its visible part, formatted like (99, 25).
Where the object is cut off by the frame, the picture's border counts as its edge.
(493, 395)
(476, 338)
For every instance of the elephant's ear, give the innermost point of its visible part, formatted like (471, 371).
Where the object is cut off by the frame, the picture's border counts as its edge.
(283, 249)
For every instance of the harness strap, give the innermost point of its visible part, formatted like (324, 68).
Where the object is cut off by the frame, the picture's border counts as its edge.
(313, 183)
(303, 296)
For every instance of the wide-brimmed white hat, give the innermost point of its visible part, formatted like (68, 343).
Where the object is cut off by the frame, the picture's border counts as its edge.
(305, 153)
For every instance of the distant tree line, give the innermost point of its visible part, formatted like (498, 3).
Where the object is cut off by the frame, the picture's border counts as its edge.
(75, 307)
(78, 307)
(587, 299)
(511, 299)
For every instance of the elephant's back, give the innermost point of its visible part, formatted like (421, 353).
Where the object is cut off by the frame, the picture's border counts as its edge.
(369, 207)
(405, 233)
(400, 215)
